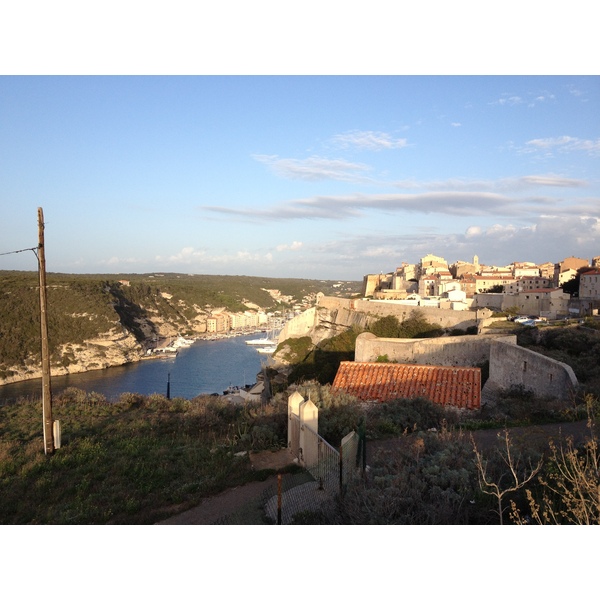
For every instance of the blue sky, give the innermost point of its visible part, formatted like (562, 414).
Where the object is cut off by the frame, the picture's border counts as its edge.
(323, 177)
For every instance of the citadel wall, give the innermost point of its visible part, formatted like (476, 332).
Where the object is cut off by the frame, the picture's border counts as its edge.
(463, 351)
(514, 366)
(334, 315)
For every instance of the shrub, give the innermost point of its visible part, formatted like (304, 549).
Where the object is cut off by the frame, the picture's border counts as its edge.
(403, 415)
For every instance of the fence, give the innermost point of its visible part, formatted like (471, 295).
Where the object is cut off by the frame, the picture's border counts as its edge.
(310, 496)
(329, 469)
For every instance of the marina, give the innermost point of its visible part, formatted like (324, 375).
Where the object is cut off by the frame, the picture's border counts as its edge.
(206, 366)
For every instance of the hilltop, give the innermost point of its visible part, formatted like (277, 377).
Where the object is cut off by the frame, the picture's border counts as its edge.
(97, 321)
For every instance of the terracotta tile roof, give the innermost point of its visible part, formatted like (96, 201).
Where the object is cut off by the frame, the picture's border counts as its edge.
(380, 382)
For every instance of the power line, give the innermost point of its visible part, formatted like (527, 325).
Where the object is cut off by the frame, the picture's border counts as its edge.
(17, 251)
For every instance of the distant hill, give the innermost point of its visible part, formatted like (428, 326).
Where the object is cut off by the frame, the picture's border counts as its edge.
(99, 320)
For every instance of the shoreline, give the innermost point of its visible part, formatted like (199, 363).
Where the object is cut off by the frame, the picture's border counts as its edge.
(161, 355)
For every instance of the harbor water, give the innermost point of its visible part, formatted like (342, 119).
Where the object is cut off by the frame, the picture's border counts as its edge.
(206, 367)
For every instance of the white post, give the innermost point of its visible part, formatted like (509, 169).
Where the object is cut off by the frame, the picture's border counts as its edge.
(309, 416)
(294, 402)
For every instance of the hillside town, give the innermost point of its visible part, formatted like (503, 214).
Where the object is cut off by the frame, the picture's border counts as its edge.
(521, 287)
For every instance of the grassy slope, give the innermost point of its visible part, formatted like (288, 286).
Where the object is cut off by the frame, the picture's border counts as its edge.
(134, 461)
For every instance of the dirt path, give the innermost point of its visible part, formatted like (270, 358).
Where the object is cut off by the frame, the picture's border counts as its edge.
(212, 510)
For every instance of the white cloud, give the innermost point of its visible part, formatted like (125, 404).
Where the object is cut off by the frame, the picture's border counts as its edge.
(500, 185)
(456, 124)
(293, 246)
(473, 231)
(551, 181)
(115, 260)
(547, 239)
(562, 144)
(509, 100)
(315, 168)
(456, 203)
(368, 140)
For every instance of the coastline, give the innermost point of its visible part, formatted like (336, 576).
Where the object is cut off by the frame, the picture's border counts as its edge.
(119, 356)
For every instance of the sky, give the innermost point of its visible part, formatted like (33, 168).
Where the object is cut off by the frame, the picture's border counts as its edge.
(322, 140)
(320, 177)
(311, 168)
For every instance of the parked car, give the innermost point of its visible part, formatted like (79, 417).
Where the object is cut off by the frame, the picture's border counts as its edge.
(531, 322)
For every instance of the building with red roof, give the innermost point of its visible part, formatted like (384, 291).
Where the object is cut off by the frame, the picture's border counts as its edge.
(459, 387)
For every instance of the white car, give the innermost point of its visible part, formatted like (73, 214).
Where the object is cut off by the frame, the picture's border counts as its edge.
(531, 322)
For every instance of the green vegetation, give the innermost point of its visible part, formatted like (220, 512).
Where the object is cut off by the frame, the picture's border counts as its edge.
(84, 307)
(321, 362)
(142, 459)
(79, 309)
(578, 347)
(432, 475)
(415, 326)
(133, 461)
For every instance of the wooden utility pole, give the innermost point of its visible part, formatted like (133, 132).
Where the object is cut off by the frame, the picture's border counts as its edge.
(46, 387)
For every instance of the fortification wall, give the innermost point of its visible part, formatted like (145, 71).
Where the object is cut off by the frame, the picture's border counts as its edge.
(464, 351)
(300, 325)
(334, 315)
(346, 309)
(514, 366)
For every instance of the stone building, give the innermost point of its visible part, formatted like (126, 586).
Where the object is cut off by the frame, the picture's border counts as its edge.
(589, 284)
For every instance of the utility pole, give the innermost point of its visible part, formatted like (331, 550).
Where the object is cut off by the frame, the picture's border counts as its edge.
(46, 387)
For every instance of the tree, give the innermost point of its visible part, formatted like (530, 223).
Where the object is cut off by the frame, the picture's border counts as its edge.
(414, 326)
(571, 484)
(386, 327)
(571, 287)
(518, 474)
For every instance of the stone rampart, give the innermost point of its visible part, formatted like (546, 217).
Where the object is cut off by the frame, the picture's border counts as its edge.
(300, 325)
(514, 366)
(334, 315)
(509, 365)
(463, 351)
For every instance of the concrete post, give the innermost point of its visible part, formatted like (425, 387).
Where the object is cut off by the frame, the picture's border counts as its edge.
(309, 416)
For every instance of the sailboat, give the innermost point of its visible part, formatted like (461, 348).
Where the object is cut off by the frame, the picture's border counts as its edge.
(268, 340)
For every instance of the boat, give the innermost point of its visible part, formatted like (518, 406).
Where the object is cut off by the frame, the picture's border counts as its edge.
(267, 349)
(268, 340)
(182, 342)
(260, 342)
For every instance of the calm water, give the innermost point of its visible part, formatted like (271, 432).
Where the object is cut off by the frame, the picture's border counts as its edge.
(203, 368)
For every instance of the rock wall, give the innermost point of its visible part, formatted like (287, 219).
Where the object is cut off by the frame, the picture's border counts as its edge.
(111, 350)
(463, 351)
(514, 366)
(509, 365)
(332, 315)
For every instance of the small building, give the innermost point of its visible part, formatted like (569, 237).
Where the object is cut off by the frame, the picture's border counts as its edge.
(459, 387)
(545, 302)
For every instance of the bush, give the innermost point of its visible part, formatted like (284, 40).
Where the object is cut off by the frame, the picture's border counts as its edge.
(414, 326)
(428, 479)
(405, 415)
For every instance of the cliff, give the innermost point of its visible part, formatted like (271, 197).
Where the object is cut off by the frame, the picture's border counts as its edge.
(332, 316)
(97, 322)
